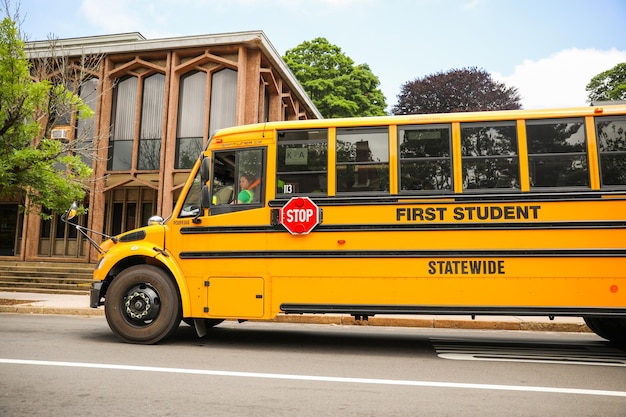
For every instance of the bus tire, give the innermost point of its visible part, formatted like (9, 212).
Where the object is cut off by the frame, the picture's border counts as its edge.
(142, 305)
(612, 329)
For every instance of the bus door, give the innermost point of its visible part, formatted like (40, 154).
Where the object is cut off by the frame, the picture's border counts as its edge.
(217, 247)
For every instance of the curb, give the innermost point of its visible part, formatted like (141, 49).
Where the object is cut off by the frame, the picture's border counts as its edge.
(65, 311)
(436, 323)
(417, 321)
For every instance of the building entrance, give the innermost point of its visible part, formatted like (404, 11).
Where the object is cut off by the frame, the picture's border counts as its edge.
(8, 229)
(127, 208)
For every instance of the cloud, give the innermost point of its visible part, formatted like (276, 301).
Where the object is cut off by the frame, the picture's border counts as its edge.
(560, 79)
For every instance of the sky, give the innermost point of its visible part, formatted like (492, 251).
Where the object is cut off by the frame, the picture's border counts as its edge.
(548, 49)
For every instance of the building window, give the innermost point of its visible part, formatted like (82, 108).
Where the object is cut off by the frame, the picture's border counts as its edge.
(151, 91)
(490, 156)
(85, 128)
(190, 130)
(223, 100)
(264, 110)
(10, 223)
(557, 153)
(149, 156)
(124, 105)
(362, 160)
(425, 162)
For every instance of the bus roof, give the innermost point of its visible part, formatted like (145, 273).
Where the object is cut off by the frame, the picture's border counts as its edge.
(607, 108)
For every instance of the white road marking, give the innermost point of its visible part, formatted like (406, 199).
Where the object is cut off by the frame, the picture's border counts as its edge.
(505, 350)
(429, 384)
(528, 359)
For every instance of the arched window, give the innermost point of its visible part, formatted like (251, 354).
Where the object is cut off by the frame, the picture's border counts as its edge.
(85, 128)
(223, 100)
(123, 132)
(191, 105)
(149, 155)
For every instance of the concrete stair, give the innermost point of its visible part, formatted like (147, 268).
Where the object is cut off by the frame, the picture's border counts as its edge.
(46, 277)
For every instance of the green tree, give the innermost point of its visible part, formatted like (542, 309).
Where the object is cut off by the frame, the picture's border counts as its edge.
(37, 170)
(457, 90)
(608, 85)
(337, 86)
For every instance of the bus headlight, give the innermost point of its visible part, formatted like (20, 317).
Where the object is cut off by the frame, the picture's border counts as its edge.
(99, 264)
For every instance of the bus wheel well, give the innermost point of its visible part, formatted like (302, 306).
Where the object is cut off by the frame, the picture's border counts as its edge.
(611, 328)
(129, 262)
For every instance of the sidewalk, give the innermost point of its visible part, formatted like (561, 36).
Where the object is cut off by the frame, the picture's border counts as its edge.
(35, 303)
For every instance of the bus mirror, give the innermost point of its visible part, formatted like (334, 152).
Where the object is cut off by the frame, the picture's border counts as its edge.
(70, 213)
(205, 167)
(205, 196)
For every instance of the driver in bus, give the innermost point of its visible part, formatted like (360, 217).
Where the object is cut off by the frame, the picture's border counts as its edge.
(247, 184)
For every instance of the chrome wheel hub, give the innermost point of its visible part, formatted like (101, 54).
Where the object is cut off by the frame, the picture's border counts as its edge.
(142, 303)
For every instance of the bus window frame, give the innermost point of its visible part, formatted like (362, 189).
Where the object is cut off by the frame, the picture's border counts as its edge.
(547, 155)
(596, 121)
(449, 158)
(511, 123)
(320, 175)
(375, 128)
(217, 209)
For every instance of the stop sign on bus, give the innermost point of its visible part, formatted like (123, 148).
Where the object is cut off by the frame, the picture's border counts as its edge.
(300, 215)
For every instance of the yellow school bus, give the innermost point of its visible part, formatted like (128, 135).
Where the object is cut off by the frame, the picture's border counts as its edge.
(485, 213)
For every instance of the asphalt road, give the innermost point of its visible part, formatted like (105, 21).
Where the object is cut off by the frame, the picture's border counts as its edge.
(74, 366)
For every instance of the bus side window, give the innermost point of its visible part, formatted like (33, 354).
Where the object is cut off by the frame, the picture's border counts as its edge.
(425, 158)
(302, 162)
(489, 155)
(611, 134)
(363, 160)
(238, 178)
(557, 153)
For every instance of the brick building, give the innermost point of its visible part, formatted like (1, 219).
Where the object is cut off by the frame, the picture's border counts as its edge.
(156, 103)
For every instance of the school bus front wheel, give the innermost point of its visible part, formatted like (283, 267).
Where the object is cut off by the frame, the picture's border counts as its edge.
(142, 305)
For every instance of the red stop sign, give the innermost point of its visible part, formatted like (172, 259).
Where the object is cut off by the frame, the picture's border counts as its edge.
(300, 215)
